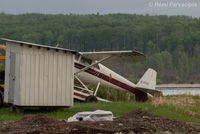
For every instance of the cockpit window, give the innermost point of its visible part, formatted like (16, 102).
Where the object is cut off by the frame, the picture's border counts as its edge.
(86, 61)
(76, 56)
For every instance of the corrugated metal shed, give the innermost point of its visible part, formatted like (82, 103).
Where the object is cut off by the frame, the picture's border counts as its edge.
(38, 75)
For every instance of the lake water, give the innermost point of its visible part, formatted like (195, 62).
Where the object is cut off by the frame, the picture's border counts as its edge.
(179, 90)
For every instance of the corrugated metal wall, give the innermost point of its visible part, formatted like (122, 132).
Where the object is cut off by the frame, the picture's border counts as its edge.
(44, 77)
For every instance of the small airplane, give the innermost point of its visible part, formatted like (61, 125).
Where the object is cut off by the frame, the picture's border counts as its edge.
(88, 69)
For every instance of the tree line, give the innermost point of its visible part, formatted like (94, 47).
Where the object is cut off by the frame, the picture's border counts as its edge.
(171, 43)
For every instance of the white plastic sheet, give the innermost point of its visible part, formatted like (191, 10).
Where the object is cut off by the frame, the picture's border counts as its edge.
(98, 115)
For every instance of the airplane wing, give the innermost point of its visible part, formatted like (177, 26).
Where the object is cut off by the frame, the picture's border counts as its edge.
(115, 56)
(111, 57)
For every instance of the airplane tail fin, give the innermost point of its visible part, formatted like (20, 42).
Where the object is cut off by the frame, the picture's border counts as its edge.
(148, 83)
(148, 80)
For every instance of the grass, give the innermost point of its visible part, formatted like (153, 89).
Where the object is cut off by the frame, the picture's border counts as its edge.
(188, 113)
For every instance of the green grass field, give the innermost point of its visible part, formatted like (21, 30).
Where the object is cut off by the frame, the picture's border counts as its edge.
(185, 108)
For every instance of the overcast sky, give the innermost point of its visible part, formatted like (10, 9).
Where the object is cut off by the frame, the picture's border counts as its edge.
(152, 7)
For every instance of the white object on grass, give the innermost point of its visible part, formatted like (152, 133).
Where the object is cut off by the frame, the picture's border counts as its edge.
(98, 115)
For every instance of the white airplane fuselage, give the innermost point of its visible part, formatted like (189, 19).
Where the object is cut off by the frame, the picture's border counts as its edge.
(105, 76)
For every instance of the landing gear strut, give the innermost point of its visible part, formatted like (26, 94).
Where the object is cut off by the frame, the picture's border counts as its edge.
(140, 96)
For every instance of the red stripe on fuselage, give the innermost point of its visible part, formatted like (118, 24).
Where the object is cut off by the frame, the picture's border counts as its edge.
(107, 78)
(80, 95)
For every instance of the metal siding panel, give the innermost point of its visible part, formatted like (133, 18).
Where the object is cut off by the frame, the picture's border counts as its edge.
(54, 78)
(17, 80)
(32, 75)
(7, 66)
(50, 81)
(41, 82)
(23, 80)
(46, 75)
(68, 80)
(27, 71)
(43, 71)
(64, 78)
(59, 74)
(37, 79)
(27, 83)
(15, 49)
(69, 71)
(12, 77)
(72, 80)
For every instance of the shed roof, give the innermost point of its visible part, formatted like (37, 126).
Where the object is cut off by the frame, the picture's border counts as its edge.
(37, 45)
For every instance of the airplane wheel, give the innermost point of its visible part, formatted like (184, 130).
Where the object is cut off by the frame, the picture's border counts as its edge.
(91, 98)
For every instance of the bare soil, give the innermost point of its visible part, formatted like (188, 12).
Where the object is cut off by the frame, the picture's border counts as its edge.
(133, 122)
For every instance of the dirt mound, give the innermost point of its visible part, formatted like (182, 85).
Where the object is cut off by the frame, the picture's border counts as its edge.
(37, 119)
(157, 122)
(133, 122)
(33, 124)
